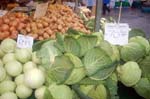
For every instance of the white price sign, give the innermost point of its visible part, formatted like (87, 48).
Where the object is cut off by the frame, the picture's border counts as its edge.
(24, 41)
(117, 34)
(3, 12)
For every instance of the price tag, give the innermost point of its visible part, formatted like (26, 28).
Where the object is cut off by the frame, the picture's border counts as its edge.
(117, 34)
(24, 41)
(3, 12)
(40, 10)
(70, 4)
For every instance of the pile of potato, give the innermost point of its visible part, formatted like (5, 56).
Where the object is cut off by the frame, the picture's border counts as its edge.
(58, 18)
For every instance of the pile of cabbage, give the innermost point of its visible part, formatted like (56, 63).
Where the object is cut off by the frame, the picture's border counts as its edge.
(74, 66)
(20, 72)
(85, 66)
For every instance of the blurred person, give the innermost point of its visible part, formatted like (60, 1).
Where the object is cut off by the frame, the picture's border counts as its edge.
(89, 3)
(105, 6)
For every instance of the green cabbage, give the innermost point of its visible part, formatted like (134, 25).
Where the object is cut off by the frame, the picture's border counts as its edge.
(9, 95)
(98, 64)
(23, 91)
(67, 69)
(143, 88)
(60, 91)
(8, 45)
(7, 86)
(129, 74)
(141, 40)
(23, 55)
(132, 52)
(9, 57)
(87, 42)
(13, 68)
(94, 91)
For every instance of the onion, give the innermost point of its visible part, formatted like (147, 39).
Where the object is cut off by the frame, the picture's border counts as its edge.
(6, 21)
(4, 27)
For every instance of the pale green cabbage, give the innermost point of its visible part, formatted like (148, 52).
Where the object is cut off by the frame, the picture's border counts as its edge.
(19, 79)
(28, 66)
(23, 55)
(13, 68)
(132, 52)
(94, 91)
(7, 86)
(9, 95)
(39, 93)
(143, 88)
(8, 45)
(34, 78)
(141, 40)
(9, 57)
(23, 91)
(60, 91)
(129, 73)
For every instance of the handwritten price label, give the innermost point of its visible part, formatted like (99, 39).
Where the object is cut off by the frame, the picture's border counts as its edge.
(40, 10)
(24, 41)
(117, 34)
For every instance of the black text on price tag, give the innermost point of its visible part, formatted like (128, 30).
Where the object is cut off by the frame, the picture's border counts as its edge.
(24, 41)
(116, 34)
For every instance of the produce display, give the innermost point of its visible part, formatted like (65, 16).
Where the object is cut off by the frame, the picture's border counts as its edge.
(91, 67)
(59, 18)
(74, 66)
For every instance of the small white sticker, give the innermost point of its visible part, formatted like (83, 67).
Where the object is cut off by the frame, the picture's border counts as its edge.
(117, 34)
(24, 41)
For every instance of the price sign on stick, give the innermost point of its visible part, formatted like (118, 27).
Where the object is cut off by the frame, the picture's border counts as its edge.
(117, 34)
(40, 10)
(24, 41)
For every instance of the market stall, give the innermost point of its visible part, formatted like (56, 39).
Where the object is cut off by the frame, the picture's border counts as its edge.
(54, 54)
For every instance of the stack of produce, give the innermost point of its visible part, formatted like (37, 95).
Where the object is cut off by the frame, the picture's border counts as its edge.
(74, 66)
(82, 66)
(20, 74)
(11, 24)
(57, 19)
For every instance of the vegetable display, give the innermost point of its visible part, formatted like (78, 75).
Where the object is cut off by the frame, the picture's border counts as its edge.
(58, 18)
(74, 65)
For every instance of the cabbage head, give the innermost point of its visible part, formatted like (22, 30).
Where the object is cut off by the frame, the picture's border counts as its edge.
(142, 41)
(60, 91)
(129, 74)
(99, 63)
(132, 52)
(66, 69)
(9, 57)
(7, 86)
(8, 45)
(23, 55)
(95, 91)
(143, 88)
